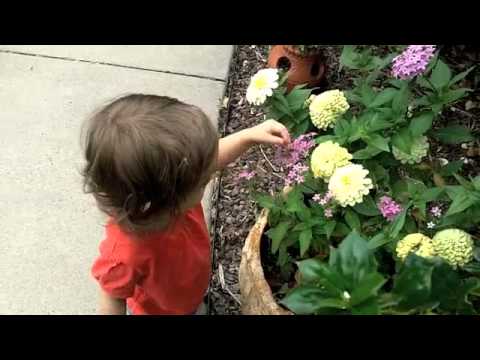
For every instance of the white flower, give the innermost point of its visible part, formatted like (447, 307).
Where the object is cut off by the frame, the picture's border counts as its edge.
(431, 225)
(346, 295)
(262, 85)
(349, 184)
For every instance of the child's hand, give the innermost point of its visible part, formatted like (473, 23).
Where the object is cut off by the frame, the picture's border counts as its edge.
(269, 132)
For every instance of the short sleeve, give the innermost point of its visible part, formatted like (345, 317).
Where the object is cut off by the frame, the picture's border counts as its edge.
(114, 276)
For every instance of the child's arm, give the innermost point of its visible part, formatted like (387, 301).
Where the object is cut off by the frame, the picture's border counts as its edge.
(268, 132)
(110, 305)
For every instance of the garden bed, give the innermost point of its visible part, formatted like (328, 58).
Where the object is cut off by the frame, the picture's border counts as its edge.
(235, 212)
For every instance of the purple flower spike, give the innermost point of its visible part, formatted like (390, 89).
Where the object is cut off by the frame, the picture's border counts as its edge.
(413, 61)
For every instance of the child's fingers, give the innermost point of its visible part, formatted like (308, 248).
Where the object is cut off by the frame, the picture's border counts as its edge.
(281, 131)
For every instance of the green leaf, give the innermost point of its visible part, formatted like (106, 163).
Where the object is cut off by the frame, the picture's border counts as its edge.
(295, 202)
(277, 234)
(367, 288)
(397, 224)
(366, 153)
(342, 128)
(305, 239)
(297, 97)
(461, 202)
(315, 271)
(329, 227)
(441, 75)
(414, 282)
(367, 207)
(403, 140)
(352, 259)
(341, 230)
(460, 76)
(306, 300)
(454, 135)
(464, 182)
(324, 138)
(378, 142)
(284, 103)
(400, 102)
(419, 125)
(369, 307)
(476, 183)
(431, 194)
(352, 220)
(451, 168)
(453, 95)
(383, 97)
(378, 241)
(265, 201)
(416, 188)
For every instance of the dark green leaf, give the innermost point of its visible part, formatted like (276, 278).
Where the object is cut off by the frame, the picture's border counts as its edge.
(454, 135)
(383, 97)
(342, 128)
(324, 138)
(353, 260)
(451, 168)
(329, 227)
(378, 141)
(367, 288)
(369, 307)
(341, 230)
(315, 271)
(464, 182)
(413, 283)
(461, 202)
(460, 76)
(297, 97)
(419, 125)
(476, 183)
(277, 234)
(367, 207)
(306, 300)
(378, 241)
(454, 95)
(400, 102)
(416, 188)
(397, 224)
(366, 153)
(441, 75)
(352, 220)
(403, 140)
(265, 201)
(431, 194)
(305, 239)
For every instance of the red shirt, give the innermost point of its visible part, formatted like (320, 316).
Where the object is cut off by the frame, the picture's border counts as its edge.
(165, 273)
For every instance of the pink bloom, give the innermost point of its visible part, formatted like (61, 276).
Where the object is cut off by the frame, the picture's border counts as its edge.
(389, 208)
(245, 174)
(323, 200)
(436, 211)
(413, 61)
(328, 213)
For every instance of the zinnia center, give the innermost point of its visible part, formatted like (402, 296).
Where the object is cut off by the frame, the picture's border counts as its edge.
(260, 82)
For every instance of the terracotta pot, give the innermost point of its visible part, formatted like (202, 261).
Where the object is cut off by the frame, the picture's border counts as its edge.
(302, 69)
(256, 295)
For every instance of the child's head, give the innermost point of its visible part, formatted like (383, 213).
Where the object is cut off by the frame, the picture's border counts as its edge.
(148, 156)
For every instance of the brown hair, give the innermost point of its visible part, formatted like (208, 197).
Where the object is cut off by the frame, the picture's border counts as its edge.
(145, 154)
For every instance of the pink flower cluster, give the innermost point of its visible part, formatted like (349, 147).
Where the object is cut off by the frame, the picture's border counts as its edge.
(436, 211)
(245, 174)
(413, 61)
(389, 208)
(323, 200)
(292, 158)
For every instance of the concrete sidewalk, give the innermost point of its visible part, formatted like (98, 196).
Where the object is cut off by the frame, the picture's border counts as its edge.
(50, 229)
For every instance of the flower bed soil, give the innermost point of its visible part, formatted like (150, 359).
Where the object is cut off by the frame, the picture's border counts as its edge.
(233, 211)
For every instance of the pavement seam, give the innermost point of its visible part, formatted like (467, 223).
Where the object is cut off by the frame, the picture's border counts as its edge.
(111, 64)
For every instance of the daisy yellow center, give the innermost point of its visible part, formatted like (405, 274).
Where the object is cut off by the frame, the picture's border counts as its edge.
(260, 82)
(346, 180)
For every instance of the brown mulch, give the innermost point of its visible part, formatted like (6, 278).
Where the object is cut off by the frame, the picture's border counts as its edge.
(233, 211)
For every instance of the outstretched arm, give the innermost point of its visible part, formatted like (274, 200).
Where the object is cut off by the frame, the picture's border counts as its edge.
(268, 132)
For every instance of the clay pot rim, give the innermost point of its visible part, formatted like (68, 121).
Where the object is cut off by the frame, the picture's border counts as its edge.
(291, 50)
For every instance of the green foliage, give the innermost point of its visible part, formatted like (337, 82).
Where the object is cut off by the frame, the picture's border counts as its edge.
(347, 263)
